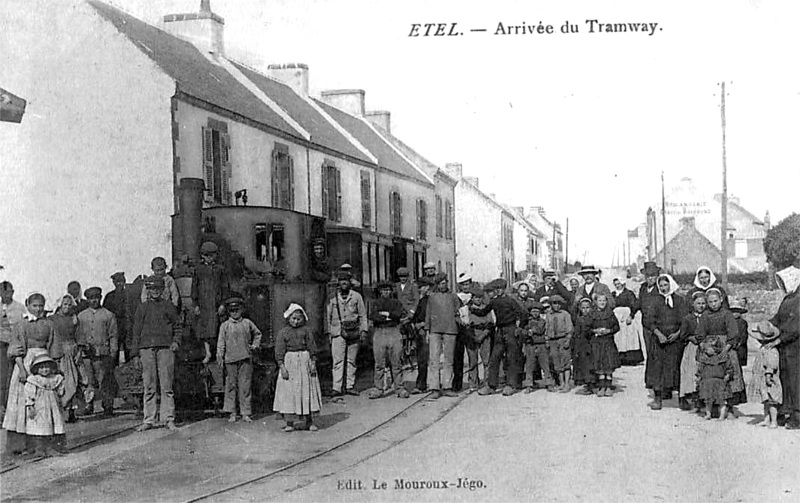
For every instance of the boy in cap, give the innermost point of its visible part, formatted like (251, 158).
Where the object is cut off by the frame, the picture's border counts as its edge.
(98, 337)
(387, 343)
(559, 340)
(238, 338)
(537, 357)
(509, 316)
(418, 322)
(209, 290)
(156, 338)
(171, 294)
(440, 322)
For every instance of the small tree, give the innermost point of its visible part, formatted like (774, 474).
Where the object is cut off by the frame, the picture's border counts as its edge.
(782, 244)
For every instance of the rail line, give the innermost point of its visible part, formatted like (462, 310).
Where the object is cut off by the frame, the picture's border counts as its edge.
(330, 450)
(73, 448)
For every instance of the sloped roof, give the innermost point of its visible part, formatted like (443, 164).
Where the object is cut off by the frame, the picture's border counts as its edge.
(740, 208)
(685, 232)
(322, 131)
(194, 75)
(415, 156)
(387, 156)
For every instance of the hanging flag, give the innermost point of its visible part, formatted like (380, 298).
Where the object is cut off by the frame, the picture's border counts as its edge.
(12, 107)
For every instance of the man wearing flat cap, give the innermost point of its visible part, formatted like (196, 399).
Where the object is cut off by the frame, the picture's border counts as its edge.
(441, 322)
(156, 337)
(98, 337)
(386, 313)
(418, 323)
(550, 287)
(508, 315)
(429, 270)
(406, 291)
(117, 302)
(648, 298)
(346, 324)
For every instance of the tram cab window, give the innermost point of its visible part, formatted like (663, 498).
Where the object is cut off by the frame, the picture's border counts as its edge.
(270, 242)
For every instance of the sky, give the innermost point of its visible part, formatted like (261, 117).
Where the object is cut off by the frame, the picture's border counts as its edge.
(583, 123)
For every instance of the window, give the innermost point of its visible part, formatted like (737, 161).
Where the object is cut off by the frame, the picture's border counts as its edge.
(439, 226)
(422, 219)
(270, 243)
(216, 162)
(448, 220)
(331, 192)
(366, 200)
(282, 177)
(395, 214)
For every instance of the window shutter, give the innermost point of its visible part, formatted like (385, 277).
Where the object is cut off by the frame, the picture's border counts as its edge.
(325, 194)
(366, 201)
(275, 179)
(399, 214)
(338, 194)
(391, 213)
(225, 145)
(290, 183)
(208, 162)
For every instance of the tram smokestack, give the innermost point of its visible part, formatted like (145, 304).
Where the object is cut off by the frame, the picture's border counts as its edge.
(190, 193)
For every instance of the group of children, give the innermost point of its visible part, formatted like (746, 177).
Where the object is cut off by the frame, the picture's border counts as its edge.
(564, 348)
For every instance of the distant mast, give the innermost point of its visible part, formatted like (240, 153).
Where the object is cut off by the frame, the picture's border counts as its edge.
(723, 276)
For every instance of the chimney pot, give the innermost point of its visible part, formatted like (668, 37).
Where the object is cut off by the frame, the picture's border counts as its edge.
(349, 100)
(204, 29)
(381, 118)
(455, 170)
(294, 75)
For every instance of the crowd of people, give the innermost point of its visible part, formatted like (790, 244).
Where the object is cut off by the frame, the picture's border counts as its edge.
(513, 338)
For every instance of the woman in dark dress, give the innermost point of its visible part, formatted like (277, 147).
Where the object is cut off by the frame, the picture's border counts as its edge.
(628, 339)
(787, 320)
(719, 321)
(662, 373)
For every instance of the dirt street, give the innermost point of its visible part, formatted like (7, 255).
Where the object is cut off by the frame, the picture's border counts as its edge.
(564, 447)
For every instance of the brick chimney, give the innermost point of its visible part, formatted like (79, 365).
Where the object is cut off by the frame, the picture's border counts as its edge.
(294, 75)
(473, 180)
(204, 29)
(381, 118)
(687, 223)
(533, 210)
(349, 100)
(454, 169)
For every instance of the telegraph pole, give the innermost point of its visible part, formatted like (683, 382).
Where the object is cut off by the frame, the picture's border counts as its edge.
(724, 203)
(566, 250)
(664, 222)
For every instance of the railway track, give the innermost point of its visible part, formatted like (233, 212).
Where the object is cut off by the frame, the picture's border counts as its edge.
(335, 459)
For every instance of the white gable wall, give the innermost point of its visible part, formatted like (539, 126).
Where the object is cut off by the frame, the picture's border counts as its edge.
(478, 238)
(87, 176)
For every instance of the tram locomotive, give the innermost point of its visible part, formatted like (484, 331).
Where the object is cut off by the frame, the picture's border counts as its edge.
(269, 259)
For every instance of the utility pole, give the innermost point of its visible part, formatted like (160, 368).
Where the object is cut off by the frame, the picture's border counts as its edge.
(664, 223)
(724, 203)
(555, 247)
(566, 251)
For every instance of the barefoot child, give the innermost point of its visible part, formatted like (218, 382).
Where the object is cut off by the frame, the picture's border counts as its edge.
(559, 340)
(43, 391)
(238, 338)
(766, 384)
(605, 356)
(714, 373)
(297, 394)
